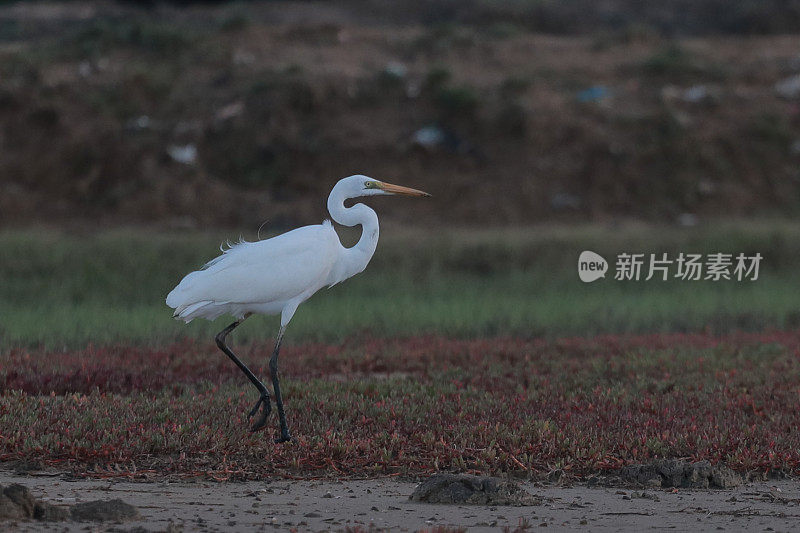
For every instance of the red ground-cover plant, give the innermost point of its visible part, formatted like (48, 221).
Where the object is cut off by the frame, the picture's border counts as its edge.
(370, 406)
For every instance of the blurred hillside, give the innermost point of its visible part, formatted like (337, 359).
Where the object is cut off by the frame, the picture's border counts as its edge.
(508, 112)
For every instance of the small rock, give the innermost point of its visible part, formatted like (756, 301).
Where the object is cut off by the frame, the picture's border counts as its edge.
(21, 496)
(229, 111)
(696, 94)
(9, 509)
(687, 220)
(653, 483)
(142, 122)
(50, 513)
(186, 155)
(395, 70)
(773, 473)
(428, 137)
(25, 467)
(327, 495)
(789, 87)
(593, 94)
(102, 510)
(243, 57)
(679, 473)
(464, 488)
(564, 200)
(724, 478)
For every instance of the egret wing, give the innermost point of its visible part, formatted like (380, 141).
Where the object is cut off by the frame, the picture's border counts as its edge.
(272, 270)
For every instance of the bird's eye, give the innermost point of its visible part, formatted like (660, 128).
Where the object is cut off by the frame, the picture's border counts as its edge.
(371, 185)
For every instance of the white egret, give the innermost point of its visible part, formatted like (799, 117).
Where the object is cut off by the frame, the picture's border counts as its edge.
(278, 274)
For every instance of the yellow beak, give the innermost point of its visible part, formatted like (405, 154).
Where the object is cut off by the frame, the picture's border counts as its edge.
(399, 189)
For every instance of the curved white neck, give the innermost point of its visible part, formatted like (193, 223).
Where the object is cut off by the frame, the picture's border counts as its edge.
(355, 259)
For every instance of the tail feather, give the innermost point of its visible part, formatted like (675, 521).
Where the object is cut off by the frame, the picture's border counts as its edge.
(181, 299)
(191, 300)
(190, 311)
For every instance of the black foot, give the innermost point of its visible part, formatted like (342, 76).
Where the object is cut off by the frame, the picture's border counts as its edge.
(266, 408)
(284, 438)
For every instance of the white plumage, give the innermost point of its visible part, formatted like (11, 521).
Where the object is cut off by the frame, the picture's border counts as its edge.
(278, 274)
(261, 277)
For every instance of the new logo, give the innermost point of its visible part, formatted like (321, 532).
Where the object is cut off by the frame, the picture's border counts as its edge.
(591, 266)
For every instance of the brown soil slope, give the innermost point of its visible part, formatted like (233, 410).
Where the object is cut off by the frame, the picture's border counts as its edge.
(239, 114)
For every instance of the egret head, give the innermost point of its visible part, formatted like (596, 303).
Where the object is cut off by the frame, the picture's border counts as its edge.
(365, 186)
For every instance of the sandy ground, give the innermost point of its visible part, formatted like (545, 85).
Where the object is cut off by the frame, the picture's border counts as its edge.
(338, 505)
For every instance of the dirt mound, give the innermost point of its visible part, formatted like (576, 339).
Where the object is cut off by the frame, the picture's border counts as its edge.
(682, 474)
(464, 488)
(101, 511)
(17, 503)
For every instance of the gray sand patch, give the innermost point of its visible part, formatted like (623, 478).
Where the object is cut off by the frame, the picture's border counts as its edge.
(381, 504)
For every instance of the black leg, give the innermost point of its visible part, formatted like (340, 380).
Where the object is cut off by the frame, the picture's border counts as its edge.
(264, 399)
(276, 385)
